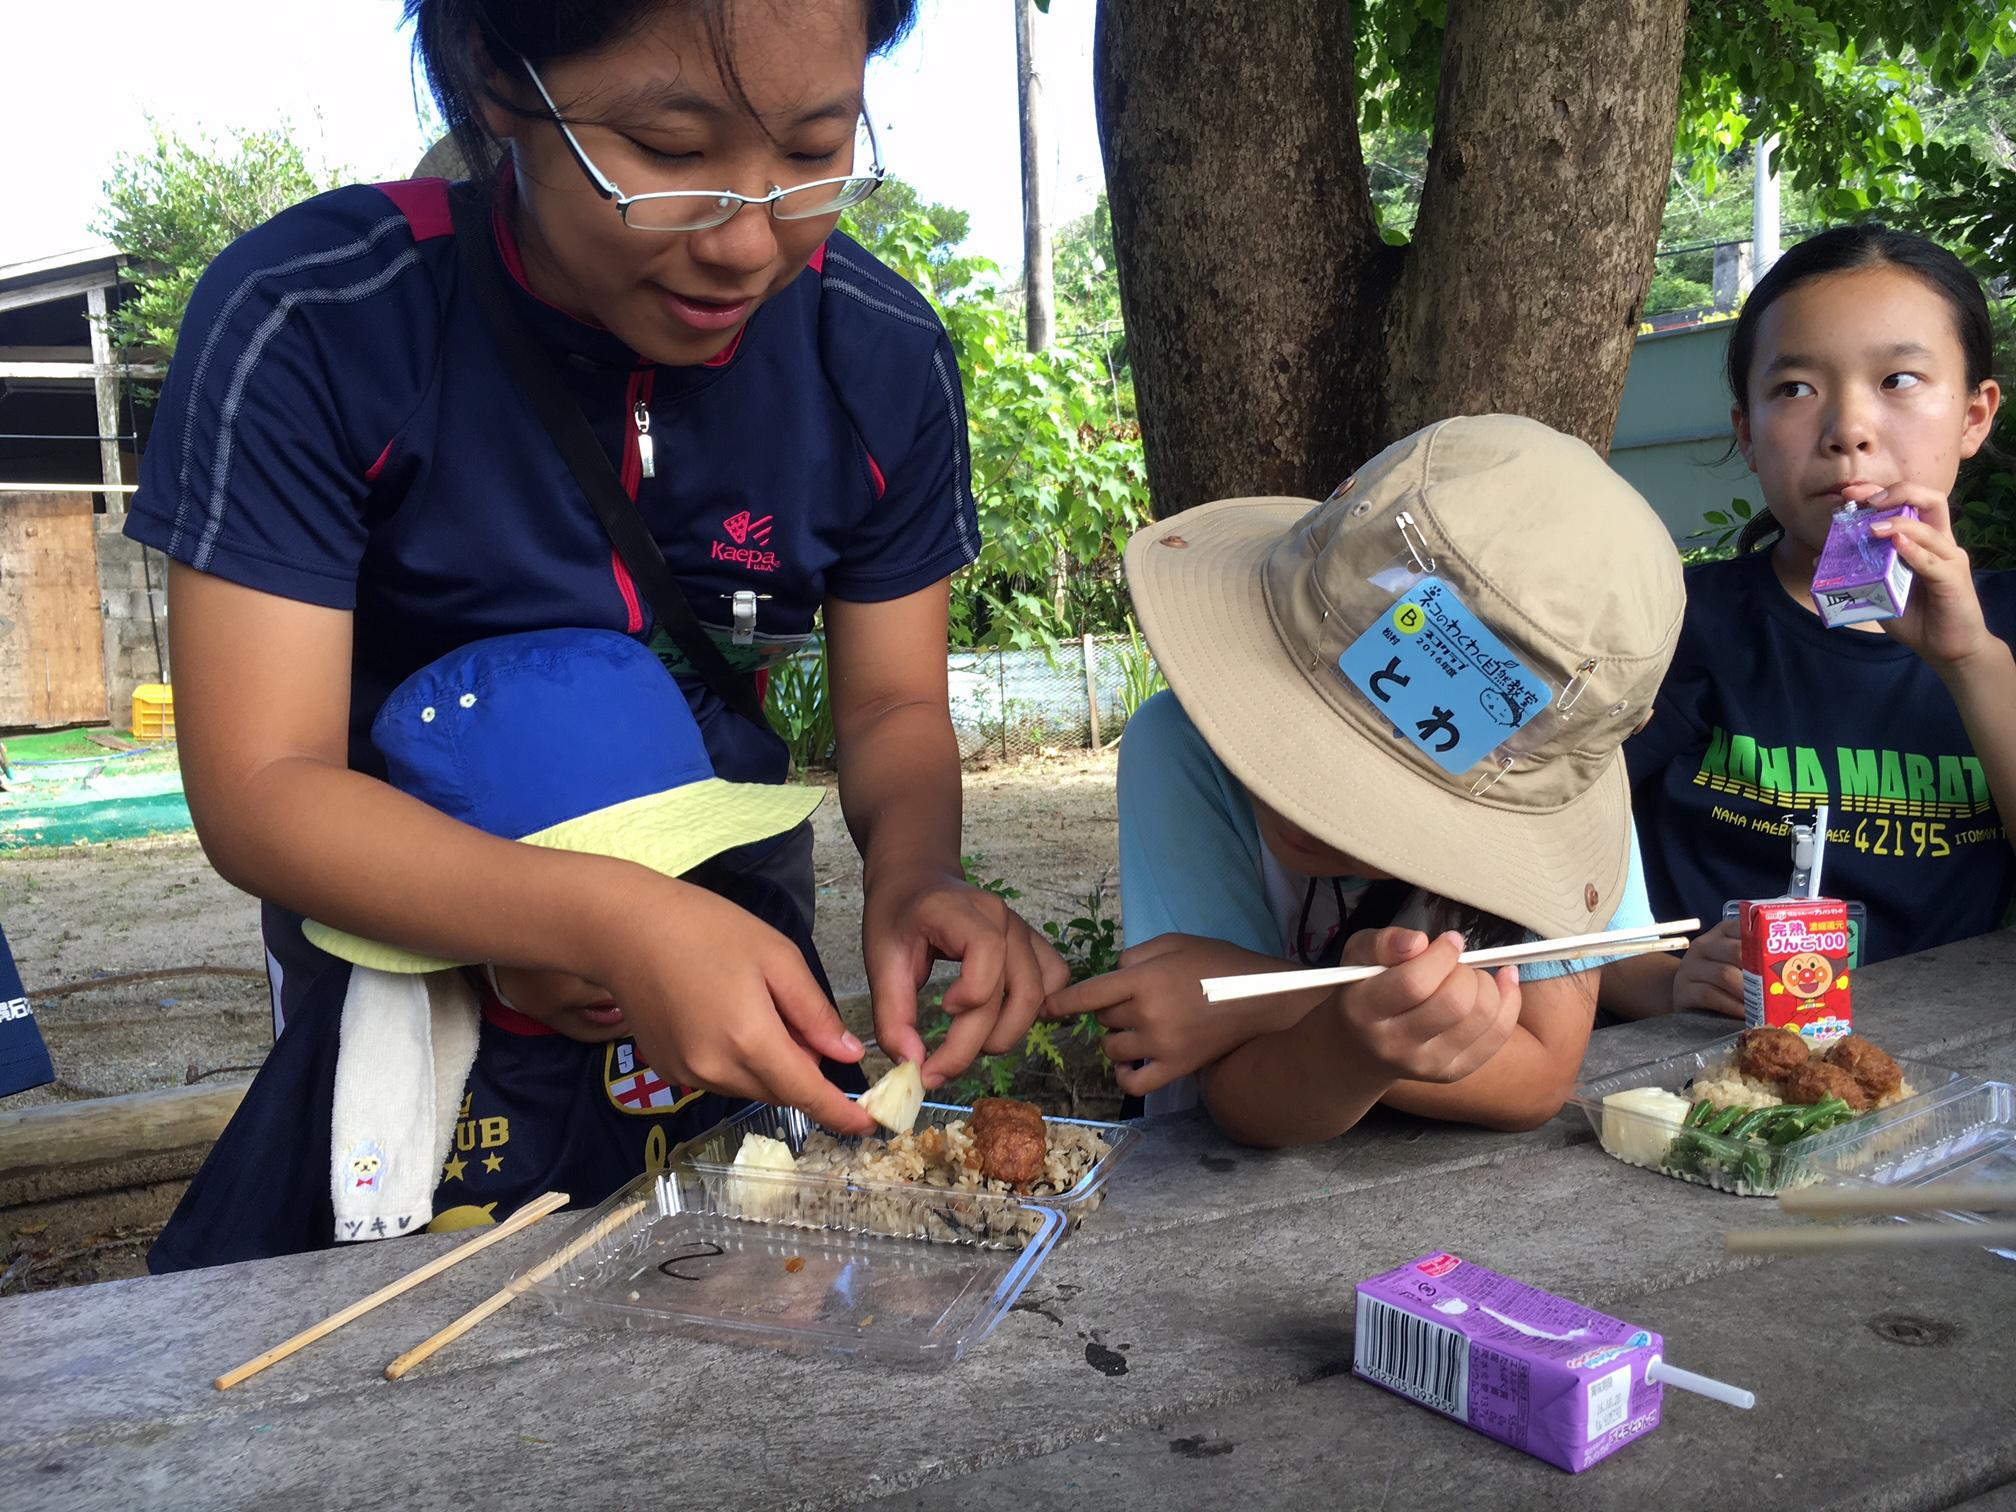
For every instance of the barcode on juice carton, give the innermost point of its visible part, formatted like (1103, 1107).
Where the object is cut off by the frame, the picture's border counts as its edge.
(1414, 1357)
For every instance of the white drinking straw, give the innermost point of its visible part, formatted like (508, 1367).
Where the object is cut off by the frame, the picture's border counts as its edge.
(1659, 1373)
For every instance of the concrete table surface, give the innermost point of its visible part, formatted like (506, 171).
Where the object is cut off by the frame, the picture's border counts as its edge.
(1189, 1346)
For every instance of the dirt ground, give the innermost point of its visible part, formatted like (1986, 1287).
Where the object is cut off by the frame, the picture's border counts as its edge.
(1045, 826)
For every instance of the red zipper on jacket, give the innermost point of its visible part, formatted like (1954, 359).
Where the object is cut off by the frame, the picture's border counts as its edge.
(637, 392)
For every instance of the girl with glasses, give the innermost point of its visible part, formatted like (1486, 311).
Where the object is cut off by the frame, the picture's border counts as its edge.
(351, 482)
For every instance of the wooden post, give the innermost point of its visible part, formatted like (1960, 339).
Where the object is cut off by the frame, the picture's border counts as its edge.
(102, 1143)
(1085, 651)
(105, 379)
(1039, 297)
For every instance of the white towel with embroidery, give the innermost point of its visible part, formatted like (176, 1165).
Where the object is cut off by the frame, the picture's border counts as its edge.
(406, 1049)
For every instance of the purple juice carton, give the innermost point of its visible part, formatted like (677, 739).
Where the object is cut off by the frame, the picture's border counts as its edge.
(1860, 576)
(1517, 1364)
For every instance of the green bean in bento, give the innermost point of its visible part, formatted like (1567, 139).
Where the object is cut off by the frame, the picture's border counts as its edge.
(1749, 1125)
(1723, 1121)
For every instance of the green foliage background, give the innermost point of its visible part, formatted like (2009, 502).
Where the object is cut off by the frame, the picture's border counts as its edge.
(174, 205)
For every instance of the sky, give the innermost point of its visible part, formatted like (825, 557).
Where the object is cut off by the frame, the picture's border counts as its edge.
(77, 86)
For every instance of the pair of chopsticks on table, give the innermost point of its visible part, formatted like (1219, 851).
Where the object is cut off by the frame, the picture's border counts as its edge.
(1826, 1203)
(524, 1218)
(1608, 944)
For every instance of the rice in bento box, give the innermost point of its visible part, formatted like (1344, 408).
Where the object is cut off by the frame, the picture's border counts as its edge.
(873, 1185)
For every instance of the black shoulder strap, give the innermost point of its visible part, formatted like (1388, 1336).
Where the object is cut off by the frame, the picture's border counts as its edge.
(583, 454)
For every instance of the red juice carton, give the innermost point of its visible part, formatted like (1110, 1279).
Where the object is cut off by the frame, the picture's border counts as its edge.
(1520, 1365)
(1859, 575)
(1796, 956)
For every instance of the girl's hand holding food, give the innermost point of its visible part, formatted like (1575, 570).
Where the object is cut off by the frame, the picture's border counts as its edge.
(718, 999)
(1710, 977)
(1154, 1010)
(915, 916)
(1425, 1018)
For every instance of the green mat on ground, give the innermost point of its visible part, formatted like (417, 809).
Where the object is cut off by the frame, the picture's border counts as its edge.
(87, 802)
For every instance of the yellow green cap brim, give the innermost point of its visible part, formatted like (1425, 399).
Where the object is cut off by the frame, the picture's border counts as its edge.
(670, 832)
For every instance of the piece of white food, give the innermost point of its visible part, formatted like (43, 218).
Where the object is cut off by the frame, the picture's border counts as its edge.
(760, 1196)
(1639, 1125)
(893, 1101)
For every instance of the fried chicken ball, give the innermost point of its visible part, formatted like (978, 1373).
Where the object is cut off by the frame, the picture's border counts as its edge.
(1010, 1111)
(1010, 1153)
(1816, 1081)
(1009, 1139)
(1871, 1066)
(1770, 1054)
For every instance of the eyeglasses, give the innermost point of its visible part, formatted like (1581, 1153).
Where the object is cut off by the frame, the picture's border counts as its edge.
(699, 209)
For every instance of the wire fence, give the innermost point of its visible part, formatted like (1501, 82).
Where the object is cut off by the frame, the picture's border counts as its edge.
(1008, 703)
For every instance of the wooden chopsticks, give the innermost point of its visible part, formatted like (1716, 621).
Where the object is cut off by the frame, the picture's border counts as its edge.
(524, 1218)
(503, 1297)
(1827, 1239)
(1647, 939)
(1826, 1202)
(1890, 1202)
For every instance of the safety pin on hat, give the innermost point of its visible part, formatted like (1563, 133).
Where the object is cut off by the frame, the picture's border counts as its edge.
(1514, 745)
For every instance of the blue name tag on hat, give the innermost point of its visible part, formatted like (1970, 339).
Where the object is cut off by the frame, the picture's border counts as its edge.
(1435, 670)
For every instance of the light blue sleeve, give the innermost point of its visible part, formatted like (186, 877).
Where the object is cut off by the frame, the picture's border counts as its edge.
(1633, 910)
(1189, 849)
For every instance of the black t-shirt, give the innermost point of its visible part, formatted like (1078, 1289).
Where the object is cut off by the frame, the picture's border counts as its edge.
(1766, 713)
(540, 1113)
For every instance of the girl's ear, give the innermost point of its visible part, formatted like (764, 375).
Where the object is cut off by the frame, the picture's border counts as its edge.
(1981, 408)
(1741, 423)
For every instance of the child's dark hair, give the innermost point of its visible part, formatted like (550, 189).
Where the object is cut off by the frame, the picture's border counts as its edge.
(1845, 249)
(460, 43)
(1381, 903)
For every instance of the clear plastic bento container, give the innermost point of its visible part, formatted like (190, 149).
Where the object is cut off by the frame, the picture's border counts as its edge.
(902, 1209)
(1943, 1104)
(1975, 1147)
(662, 1256)
(817, 1261)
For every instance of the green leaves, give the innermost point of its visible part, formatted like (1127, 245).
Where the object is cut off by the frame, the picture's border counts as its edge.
(1840, 82)
(1058, 475)
(174, 206)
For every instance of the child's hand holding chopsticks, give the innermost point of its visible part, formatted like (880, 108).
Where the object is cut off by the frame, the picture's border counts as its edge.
(1426, 1017)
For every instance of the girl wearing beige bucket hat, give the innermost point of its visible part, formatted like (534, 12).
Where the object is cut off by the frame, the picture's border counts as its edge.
(1392, 733)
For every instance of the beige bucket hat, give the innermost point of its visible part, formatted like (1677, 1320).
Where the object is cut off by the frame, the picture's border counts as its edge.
(1529, 599)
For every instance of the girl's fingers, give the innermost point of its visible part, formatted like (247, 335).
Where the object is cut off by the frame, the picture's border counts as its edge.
(980, 948)
(1125, 1014)
(1383, 947)
(807, 1012)
(1052, 969)
(1919, 543)
(1126, 1047)
(1723, 943)
(1405, 987)
(1139, 1080)
(896, 970)
(1935, 510)
(962, 1042)
(1024, 994)
(1093, 995)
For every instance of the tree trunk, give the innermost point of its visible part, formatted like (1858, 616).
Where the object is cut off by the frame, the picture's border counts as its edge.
(1277, 341)
(1039, 293)
(1540, 217)
(1252, 277)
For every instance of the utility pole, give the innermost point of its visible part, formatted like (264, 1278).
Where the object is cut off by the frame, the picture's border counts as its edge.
(1764, 220)
(1039, 296)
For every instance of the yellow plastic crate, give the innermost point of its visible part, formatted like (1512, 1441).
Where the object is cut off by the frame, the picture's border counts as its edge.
(154, 712)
